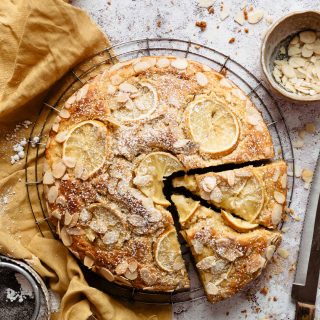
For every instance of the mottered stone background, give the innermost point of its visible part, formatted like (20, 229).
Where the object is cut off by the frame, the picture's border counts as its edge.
(124, 20)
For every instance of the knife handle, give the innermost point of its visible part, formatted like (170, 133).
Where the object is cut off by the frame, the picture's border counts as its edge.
(305, 311)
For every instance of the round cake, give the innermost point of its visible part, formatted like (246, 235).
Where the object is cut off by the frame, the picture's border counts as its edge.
(117, 139)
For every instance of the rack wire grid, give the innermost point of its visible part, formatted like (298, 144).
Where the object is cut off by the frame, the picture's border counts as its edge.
(223, 63)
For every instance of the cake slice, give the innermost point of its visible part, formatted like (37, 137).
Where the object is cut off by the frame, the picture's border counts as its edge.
(225, 259)
(256, 194)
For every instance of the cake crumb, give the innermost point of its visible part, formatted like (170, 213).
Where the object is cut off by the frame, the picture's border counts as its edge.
(202, 25)
(232, 40)
(264, 291)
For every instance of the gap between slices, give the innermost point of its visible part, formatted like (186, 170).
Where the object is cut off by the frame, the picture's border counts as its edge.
(255, 194)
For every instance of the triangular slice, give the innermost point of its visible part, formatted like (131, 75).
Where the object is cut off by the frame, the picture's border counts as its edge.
(225, 259)
(256, 194)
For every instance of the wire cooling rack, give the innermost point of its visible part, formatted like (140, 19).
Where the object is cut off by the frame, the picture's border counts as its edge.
(245, 79)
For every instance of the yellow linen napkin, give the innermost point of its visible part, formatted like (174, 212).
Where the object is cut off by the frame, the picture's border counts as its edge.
(40, 41)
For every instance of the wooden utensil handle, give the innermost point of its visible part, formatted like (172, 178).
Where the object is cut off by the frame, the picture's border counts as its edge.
(305, 311)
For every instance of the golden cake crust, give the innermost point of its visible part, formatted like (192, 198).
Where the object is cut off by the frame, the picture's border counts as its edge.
(136, 108)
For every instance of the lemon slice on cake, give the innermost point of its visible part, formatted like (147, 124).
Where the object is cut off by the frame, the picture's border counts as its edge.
(236, 223)
(151, 172)
(167, 252)
(245, 198)
(85, 145)
(213, 126)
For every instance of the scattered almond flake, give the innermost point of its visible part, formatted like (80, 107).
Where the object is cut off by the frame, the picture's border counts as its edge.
(205, 3)
(283, 253)
(225, 12)
(269, 19)
(306, 186)
(306, 175)
(297, 171)
(301, 133)
(285, 229)
(310, 127)
(255, 16)
(290, 173)
(239, 18)
(298, 143)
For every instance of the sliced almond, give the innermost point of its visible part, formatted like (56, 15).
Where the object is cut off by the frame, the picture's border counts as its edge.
(133, 265)
(65, 114)
(111, 237)
(56, 213)
(293, 51)
(55, 127)
(65, 237)
(180, 64)
(163, 63)
(61, 136)
(75, 231)
(212, 289)
(78, 171)
(231, 178)
(270, 251)
(148, 277)
(67, 218)
(305, 52)
(216, 195)
(307, 36)
(127, 87)
(310, 127)
(122, 280)
(88, 262)
(307, 175)
(61, 200)
(111, 89)
(276, 174)
(106, 274)
(116, 79)
(283, 253)
(58, 169)
(255, 16)
(201, 79)
(224, 13)
(131, 275)
(276, 214)
(141, 66)
(283, 181)
(69, 162)
(52, 194)
(121, 267)
(136, 220)
(208, 183)
(279, 197)
(288, 71)
(48, 178)
(74, 220)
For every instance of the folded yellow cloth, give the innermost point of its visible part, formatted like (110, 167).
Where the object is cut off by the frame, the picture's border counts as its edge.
(40, 41)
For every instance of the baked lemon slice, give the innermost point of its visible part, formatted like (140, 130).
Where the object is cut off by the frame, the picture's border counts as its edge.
(236, 223)
(245, 198)
(151, 172)
(138, 106)
(186, 207)
(167, 252)
(213, 126)
(86, 145)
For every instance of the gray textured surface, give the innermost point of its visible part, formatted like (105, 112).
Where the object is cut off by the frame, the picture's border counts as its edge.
(126, 20)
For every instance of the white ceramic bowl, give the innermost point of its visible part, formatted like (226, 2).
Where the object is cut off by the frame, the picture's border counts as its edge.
(281, 30)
